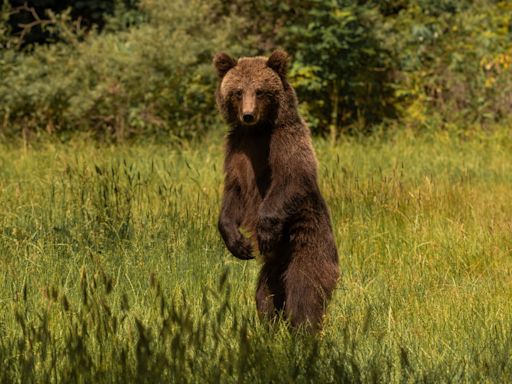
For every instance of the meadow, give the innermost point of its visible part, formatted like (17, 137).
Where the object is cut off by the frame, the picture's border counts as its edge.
(112, 269)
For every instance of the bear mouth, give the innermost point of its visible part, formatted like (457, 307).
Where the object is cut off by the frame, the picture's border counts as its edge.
(251, 124)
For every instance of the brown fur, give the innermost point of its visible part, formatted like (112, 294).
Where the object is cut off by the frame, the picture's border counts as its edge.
(271, 190)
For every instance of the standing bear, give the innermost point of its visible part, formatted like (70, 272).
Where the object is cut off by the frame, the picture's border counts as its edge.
(271, 190)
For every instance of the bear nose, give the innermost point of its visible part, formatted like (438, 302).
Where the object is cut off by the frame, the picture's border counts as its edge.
(248, 118)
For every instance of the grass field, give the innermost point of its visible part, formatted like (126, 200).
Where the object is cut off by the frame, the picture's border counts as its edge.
(112, 270)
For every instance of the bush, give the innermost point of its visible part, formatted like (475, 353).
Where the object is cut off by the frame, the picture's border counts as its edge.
(454, 61)
(341, 68)
(153, 78)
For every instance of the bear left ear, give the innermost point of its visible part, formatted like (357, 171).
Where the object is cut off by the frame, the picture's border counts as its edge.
(223, 63)
(278, 61)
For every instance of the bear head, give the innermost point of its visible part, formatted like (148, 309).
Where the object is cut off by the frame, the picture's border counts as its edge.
(253, 89)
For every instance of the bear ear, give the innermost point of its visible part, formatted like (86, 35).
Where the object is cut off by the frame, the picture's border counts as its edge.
(278, 61)
(223, 63)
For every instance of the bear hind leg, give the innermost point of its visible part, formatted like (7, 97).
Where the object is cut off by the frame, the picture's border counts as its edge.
(270, 292)
(307, 295)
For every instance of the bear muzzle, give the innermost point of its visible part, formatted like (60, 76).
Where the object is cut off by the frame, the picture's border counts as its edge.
(249, 114)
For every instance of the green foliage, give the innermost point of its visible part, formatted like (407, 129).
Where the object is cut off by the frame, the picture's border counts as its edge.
(154, 78)
(356, 65)
(454, 60)
(340, 69)
(112, 269)
(4, 26)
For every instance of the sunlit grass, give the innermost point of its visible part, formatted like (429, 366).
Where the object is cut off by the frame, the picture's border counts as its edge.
(111, 267)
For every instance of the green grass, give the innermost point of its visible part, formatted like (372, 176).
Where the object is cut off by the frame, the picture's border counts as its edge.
(112, 270)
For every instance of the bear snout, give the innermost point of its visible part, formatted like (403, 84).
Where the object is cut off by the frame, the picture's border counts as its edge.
(249, 115)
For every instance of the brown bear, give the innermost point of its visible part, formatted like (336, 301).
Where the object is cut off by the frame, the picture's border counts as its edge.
(271, 190)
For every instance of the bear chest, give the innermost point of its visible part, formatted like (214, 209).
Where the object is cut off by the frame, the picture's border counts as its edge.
(254, 176)
(251, 159)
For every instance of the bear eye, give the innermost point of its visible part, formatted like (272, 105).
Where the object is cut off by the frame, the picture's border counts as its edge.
(237, 93)
(259, 93)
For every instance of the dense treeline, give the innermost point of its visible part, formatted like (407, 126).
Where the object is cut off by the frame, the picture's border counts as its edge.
(133, 69)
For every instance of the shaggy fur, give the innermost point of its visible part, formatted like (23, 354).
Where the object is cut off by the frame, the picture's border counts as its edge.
(271, 190)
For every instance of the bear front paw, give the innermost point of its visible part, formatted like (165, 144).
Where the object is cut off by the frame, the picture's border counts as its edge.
(268, 232)
(242, 249)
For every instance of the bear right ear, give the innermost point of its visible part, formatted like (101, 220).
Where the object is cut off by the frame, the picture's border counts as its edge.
(223, 63)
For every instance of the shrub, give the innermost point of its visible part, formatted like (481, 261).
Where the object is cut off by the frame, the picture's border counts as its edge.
(454, 60)
(341, 68)
(152, 78)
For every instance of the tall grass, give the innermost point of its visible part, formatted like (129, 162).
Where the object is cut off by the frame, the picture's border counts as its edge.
(112, 270)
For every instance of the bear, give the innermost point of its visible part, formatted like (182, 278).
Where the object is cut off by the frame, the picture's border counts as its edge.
(271, 191)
